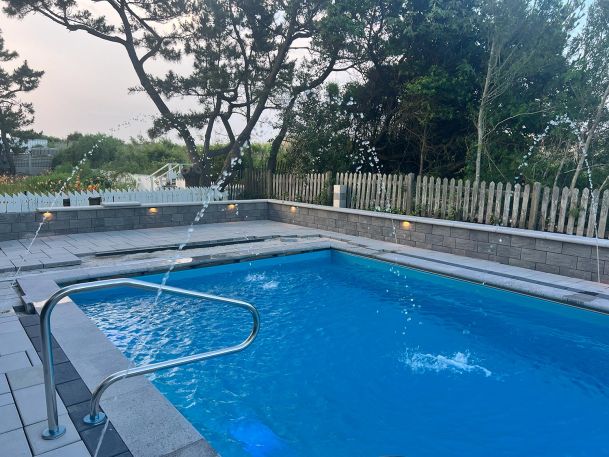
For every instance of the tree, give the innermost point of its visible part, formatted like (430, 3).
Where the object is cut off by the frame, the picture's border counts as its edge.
(590, 81)
(521, 39)
(247, 55)
(251, 57)
(144, 29)
(14, 113)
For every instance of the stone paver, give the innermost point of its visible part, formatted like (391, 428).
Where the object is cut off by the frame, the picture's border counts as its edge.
(32, 406)
(77, 449)
(4, 388)
(9, 418)
(25, 377)
(40, 445)
(14, 361)
(6, 399)
(15, 444)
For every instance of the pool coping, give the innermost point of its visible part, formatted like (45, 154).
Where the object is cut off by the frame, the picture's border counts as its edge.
(167, 432)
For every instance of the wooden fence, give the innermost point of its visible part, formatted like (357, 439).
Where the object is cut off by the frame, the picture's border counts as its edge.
(306, 188)
(18, 203)
(534, 207)
(529, 206)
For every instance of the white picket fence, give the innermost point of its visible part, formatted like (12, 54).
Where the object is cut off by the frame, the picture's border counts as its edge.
(23, 203)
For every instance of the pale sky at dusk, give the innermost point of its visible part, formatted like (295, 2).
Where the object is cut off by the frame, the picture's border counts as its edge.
(85, 83)
(86, 80)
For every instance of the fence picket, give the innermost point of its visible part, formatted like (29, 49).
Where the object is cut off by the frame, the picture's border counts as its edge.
(592, 226)
(524, 206)
(466, 200)
(489, 204)
(498, 200)
(515, 206)
(562, 215)
(481, 202)
(602, 220)
(582, 212)
(572, 211)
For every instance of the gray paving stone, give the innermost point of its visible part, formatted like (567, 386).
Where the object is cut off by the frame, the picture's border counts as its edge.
(4, 388)
(165, 431)
(9, 418)
(40, 446)
(25, 377)
(77, 449)
(14, 444)
(6, 399)
(10, 326)
(27, 264)
(32, 405)
(15, 361)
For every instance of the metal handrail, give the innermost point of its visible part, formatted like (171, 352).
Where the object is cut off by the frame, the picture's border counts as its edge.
(55, 430)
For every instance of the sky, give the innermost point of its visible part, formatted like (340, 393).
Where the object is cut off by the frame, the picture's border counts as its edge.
(86, 83)
(86, 80)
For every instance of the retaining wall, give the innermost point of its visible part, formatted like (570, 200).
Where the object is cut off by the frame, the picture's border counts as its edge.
(567, 255)
(61, 221)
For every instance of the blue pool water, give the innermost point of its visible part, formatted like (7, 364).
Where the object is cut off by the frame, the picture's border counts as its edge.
(362, 358)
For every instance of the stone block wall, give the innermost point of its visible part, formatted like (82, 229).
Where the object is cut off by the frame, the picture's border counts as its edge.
(101, 219)
(552, 253)
(549, 252)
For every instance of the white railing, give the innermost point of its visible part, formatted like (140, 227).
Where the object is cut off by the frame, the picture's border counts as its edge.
(169, 175)
(22, 203)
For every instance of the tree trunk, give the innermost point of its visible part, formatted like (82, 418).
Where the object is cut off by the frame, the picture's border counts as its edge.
(8, 155)
(235, 150)
(278, 140)
(589, 137)
(481, 123)
(200, 164)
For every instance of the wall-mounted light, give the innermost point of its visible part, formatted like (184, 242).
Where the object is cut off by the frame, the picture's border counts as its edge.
(47, 216)
(292, 209)
(153, 210)
(406, 225)
(231, 206)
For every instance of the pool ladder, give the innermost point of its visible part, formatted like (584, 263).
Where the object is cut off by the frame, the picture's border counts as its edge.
(95, 416)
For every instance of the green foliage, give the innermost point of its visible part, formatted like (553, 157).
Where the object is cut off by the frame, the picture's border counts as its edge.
(15, 114)
(87, 180)
(109, 153)
(414, 107)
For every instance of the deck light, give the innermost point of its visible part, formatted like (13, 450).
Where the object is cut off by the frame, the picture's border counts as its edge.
(153, 210)
(47, 216)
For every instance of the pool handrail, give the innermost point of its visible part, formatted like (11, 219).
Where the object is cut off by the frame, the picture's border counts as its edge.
(96, 417)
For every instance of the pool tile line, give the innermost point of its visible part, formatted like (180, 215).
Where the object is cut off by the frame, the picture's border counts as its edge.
(75, 395)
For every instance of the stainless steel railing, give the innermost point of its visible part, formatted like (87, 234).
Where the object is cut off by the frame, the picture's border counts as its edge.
(55, 430)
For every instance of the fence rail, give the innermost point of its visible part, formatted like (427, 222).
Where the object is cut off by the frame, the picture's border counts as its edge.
(20, 203)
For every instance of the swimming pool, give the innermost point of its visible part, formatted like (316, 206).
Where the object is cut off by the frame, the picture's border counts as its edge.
(357, 357)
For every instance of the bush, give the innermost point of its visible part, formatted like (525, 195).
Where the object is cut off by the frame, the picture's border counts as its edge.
(87, 180)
